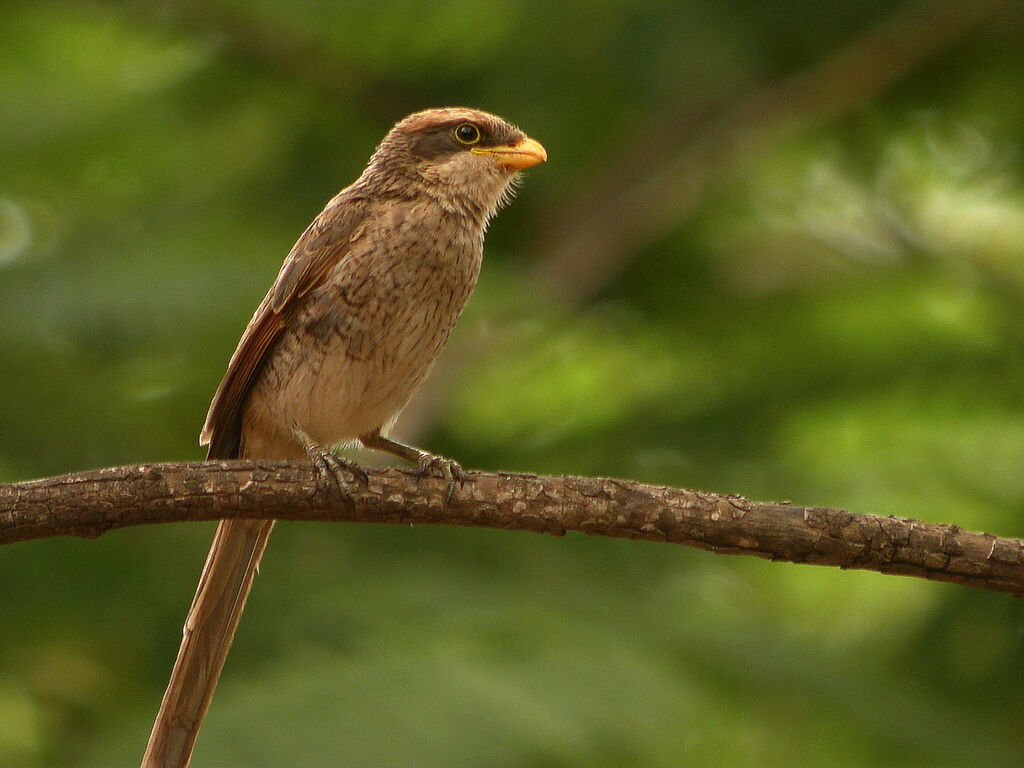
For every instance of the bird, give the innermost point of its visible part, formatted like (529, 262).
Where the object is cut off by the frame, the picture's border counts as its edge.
(360, 309)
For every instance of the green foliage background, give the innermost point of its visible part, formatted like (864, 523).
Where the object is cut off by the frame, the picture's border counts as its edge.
(719, 280)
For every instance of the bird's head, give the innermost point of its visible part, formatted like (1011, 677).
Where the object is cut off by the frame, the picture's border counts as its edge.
(465, 159)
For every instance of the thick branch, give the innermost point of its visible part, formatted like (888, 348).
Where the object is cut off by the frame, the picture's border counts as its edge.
(91, 503)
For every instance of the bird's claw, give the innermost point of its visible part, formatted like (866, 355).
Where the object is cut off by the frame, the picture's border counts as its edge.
(330, 467)
(448, 469)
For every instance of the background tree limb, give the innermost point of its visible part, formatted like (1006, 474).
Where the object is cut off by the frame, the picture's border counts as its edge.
(90, 503)
(655, 188)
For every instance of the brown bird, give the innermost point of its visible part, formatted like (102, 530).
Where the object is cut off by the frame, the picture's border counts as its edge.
(360, 309)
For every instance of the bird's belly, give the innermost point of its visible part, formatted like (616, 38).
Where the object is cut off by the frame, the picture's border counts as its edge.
(349, 398)
(352, 358)
(335, 396)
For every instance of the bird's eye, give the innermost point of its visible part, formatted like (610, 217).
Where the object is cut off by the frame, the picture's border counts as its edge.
(467, 133)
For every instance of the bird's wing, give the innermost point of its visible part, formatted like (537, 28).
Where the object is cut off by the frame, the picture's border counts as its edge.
(324, 243)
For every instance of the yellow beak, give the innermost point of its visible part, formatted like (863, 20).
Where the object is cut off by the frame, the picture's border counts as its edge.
(525, 153)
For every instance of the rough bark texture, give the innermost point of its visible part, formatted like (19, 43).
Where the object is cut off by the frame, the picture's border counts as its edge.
(90, 503)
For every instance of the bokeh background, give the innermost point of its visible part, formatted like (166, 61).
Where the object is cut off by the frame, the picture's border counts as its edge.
(778, 250)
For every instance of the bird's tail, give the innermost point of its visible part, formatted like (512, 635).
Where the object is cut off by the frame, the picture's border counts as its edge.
(209, 629)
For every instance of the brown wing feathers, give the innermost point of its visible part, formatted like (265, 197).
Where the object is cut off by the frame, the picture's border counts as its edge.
(320, 247)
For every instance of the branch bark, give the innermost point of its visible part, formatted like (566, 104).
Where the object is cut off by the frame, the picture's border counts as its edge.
(90, 503)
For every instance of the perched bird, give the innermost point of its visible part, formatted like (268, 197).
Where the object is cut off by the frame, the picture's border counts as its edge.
(358, 313)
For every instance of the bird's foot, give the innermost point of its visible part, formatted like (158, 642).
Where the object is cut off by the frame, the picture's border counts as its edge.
(331, 468)
(425, 462)
(448, 469)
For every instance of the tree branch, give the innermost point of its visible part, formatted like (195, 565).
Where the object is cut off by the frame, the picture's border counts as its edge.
(90, 503)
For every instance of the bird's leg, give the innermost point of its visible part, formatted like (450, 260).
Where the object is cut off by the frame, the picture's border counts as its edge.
(449, 469)
(329, 465)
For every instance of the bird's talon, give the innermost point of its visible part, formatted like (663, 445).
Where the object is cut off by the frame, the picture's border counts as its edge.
(330, 467)
(447, 468)
(340, 464)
